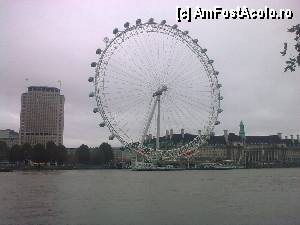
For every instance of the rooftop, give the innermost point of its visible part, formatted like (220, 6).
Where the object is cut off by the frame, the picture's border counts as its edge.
(8, 133)
(43, 88)
(232, 137)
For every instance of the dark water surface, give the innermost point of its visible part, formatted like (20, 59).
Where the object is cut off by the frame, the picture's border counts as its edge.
(264, 196)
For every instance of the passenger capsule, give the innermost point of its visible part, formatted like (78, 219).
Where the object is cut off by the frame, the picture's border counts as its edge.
(93, 64)
(217, 122)
(216, 73)
(203, 50)
(92, 94)
(175, 26)
(195, 40)
(219, 85)
(210, 61)
(163, 22)
(138, 21)
(106, 40)
(98, 51)
(95, 110)
(111, 137)
(102, 124)
(185, 32)
(151, 20)
(115, 31)
(126, 25)
(91, 79)
(220, 110)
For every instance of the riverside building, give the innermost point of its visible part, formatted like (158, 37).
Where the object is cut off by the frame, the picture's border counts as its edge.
(10, 137)
(250, 151)
(42, 115)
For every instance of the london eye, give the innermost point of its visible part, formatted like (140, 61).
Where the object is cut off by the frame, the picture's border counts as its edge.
(153, 80)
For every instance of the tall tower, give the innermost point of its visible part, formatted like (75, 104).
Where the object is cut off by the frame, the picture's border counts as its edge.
(242, 131)
(42, 115)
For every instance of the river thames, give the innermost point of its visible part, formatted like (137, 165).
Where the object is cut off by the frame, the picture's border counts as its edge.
(109, 197)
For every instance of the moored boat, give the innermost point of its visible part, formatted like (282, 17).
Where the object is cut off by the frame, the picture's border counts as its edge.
(5, 170)
(142, 166)
(213, 166)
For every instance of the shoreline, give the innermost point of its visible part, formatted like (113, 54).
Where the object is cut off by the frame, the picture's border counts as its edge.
(87, 167)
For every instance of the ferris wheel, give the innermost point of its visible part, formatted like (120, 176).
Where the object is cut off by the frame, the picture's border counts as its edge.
(153, 81)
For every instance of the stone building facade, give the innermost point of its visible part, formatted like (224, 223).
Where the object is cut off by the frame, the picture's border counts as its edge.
(249, 151)
(256, 151)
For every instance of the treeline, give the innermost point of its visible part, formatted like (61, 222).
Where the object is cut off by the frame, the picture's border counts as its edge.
(37, 153)
(52, 153)
(100, 155)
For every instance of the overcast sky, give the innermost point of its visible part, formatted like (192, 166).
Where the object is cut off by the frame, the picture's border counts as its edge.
(46, 41)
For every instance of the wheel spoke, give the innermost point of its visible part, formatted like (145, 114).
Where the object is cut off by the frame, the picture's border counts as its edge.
(133, 70)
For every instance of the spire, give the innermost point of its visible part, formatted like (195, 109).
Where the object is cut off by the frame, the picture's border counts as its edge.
(242, 131)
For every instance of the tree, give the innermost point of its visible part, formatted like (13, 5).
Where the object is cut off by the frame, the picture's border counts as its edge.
(83, 154)
(97, 156)
(27, 150)
(39, 153)
(102, 154)
(51, 152)
(61, 154)
(16, 154)
(4, 151)
(107, 150)
(293, 61)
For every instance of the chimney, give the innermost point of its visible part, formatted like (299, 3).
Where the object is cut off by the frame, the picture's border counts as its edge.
(167, 133)
(226, 136)
(292, 137)
(182, 133)
(171, 133)
(279, 135)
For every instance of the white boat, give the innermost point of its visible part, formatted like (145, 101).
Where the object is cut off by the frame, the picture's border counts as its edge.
(213, 166)
(143, 166)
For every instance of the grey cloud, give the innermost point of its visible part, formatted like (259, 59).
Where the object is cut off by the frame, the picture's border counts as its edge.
(46, 41)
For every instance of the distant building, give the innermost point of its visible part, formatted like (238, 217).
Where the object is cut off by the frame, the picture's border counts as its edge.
(242, 131)
(42, 115)
(10, 137)
(254, 151)
(122, 155)
(251, 151)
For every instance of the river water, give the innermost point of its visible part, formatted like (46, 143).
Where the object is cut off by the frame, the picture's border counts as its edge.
(109, 197)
